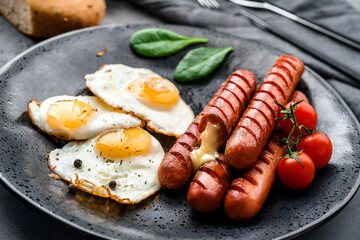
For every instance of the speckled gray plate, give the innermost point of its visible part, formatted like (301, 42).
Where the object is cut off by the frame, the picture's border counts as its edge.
(57, 66)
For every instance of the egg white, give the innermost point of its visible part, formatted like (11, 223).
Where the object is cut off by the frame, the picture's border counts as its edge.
(136, 176)
(109, 84)
(105, 118)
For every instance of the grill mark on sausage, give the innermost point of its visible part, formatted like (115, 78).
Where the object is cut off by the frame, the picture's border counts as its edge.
(180, 157)
(290, 63)
(191, 135)
(199, 183)
(212, 173)
(250, 179)
(249, 131)
(187, 146)
(269, 149)
(240, 88)
(279, 75)
(231, 106)
(267, 92)
(222, 112)
(264, 159)
(288, 72)
(243, 78)
(264, 115)
(255, 121)
(267, 105)
(291, 57)
(237, 188)
(223, 166)
(257, 169)
(236, 96)
(278, 87)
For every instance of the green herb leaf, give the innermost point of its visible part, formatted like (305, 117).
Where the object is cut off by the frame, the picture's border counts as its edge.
(199, 63)
(156, 42)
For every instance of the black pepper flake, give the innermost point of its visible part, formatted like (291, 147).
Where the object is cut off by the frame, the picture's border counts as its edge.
(77, 163)
(72, 188)
(112, 184)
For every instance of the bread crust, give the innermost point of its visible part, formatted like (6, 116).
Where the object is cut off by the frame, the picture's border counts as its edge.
(52, 17)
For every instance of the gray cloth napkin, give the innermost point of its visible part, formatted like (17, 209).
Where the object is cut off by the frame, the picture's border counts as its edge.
(336, 14)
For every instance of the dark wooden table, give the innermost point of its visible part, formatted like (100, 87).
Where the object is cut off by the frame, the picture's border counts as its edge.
(19, 221)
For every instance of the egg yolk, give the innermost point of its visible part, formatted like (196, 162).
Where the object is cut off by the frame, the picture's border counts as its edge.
(123, 143)
(69, 114)
(155, 90)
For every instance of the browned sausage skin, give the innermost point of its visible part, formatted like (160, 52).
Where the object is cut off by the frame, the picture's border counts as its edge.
(248, 192)
(208, 188)
(256, 125)
(229, 102)
(175, 169)
(229, 105)
(211, 181)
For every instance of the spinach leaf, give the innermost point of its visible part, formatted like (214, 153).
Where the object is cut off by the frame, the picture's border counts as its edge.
(199, 63)
(156, 42)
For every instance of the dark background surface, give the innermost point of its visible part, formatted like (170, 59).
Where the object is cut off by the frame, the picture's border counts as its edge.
(18, 221)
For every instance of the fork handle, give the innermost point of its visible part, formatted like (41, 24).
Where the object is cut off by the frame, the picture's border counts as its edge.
(315, 26)
(309, 49)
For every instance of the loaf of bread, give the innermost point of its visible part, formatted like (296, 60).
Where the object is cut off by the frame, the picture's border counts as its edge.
(46, 18)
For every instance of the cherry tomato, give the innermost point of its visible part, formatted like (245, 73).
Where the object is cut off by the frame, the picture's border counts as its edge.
(305, 115)
(293, 174)
(318, 146)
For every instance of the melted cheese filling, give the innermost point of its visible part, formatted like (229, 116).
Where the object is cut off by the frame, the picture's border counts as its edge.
(207, 151)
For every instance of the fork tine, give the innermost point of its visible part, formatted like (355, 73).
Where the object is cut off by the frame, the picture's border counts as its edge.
(215, 4)
(201, 3)
(204, 3)
(210, 4)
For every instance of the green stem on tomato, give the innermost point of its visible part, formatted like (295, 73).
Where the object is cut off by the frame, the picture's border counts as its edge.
(289, 113)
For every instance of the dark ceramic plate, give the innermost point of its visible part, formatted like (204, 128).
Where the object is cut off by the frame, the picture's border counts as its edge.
(57, 67)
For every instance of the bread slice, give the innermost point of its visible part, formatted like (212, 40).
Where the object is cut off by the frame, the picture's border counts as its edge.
(46, 18)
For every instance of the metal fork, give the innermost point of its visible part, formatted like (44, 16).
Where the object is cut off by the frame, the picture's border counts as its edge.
(212, 4)
(352, 73)
(324, 30)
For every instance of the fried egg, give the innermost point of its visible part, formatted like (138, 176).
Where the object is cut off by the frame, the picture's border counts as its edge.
(78, 118)
(119, 164)
(143, 93)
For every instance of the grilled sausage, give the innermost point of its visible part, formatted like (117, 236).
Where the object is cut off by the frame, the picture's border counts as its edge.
(208, 188)
(256, 125)
(229, 105)
(176, 167)
(248, 192)
(298, 96)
